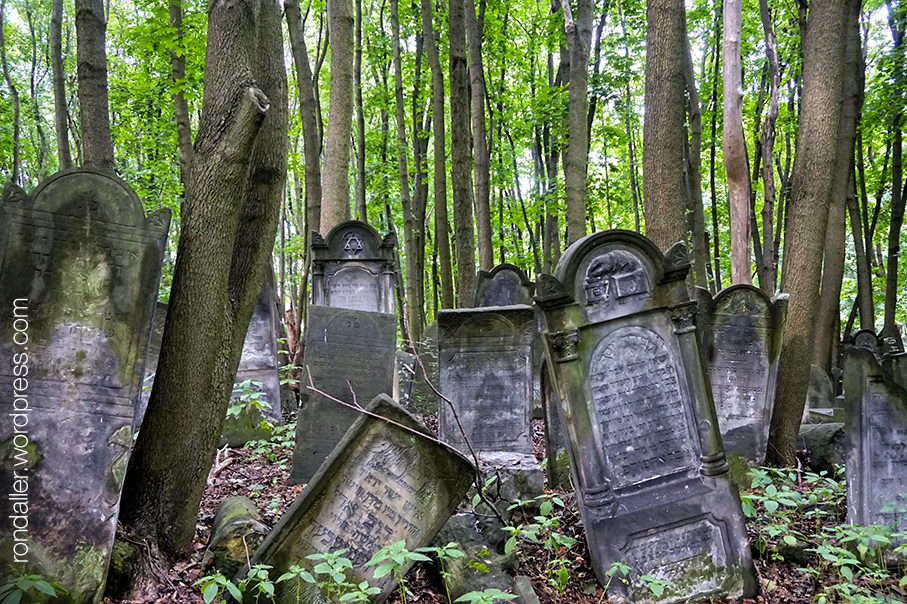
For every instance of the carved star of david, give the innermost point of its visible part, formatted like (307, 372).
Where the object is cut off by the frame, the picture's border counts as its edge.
(352, 243)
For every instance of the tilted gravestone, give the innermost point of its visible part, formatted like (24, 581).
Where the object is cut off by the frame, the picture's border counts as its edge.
(652, 481)
(558, 467)
(741, 332)
(348, 353)
(382, 484)
(154, 352)
(504, 285)
(80, 266)
(485, 360)
(875, 399)
(353, 267)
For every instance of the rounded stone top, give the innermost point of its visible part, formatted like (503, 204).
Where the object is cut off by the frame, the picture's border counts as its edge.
(354, 240)
(90, 194)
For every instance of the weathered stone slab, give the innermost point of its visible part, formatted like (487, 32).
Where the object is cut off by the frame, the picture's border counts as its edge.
(504, 285)
(558, 467)
(154, 352)
(485, 360)
(79, 271)
(652, 481)
(876, 430)
(741, 333)
(347, 351)
(382, 484)
(353, 267)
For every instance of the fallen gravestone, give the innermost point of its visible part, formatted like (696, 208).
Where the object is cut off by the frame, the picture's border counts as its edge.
(741, 332)
(504, 285)
(353, 268)
(80, 266)
(349, 355)
(876, 433)
(652, 481)
(485, 358)
(382, 484)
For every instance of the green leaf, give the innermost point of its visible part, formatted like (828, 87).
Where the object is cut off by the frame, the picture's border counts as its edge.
(508, 547)
(210, 592)
(790, 540)
(419, 557)
(234, 591)
(382, 570)
(44, 587)
(545, 508)
(12, 598)
(771, 506)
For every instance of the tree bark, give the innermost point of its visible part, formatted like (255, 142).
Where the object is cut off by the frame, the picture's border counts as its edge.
(481, 152)
(308, 114)
(713, 190)
(579, 41)
(813, 179)
(734, 146)
(628, 104)
(61, 112)
(180, 106)
(461, 170)
(766, 269)
(229, 221)
(14, 93)
(700, 246)
(664, 130)
(335, 189)
(361, 210)
(91, 58)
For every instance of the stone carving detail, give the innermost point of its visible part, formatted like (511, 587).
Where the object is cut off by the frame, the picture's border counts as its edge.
(615, 275)
(684, 318)
(564, 344)
(352, 243)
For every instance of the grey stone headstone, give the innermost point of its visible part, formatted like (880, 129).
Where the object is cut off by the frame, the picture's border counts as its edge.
(485, 358)
(653, 484)
(382, 484)
(80, 266)
(346, 352)
(558, 466)
(504, 285)
(876, 431)
(741, 333)
(154, 352)
(353, 268)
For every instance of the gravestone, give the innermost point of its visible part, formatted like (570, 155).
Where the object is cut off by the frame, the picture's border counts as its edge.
(741, 332)
(80, 266)
(485, 360)
(382, 484)
(504, 285)
(558, 467)
(876, 432)
(353, 268)
(154, 352)
(652, 481)
(346, 352)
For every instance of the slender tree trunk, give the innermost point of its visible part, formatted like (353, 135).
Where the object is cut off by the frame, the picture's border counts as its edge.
(828, 322)
(766, 268)
(628, 109)
(308, 115)
(180, 106)
(335, 188)
(664, 131)
(64, 158)
(421, 126)
(579, 41)
(864, 275)
(229, 221)
(14, 174)
(823, 72)
(713, 190)
(91, 29)
(700, 245)
(361, 211)
(461, 170)
(442, 241)
(33, 89)
(481, 152)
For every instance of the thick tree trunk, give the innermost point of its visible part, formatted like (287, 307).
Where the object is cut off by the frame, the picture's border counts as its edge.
(91, 59)
(442, 240)
(734, 146)
(229, 221)
(14, 93)
(823, 72)
(578, 30)
(308, 114)
(481, 152)
(664, 131)
(335, 188)
(828, 322)
(61, 112)
(461, 169)
(180, 106)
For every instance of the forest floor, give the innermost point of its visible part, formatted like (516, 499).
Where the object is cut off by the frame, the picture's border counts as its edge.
(805, 510)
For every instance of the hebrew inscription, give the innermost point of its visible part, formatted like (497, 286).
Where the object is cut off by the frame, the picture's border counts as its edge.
(886, 449)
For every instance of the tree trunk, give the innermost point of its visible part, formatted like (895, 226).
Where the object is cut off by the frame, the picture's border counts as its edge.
(14, 173)
(813, 179)
(766, 269)
(890, 328)
(864, 275)
(461, 169)
(421, 125)
(481, 152)
(308, 114)
(734, 146)
(442, 242)
(579, 41)
(33, 89)
(180, 106)
(229, 221)
(61, 112)
(361, 211)
(664, 131)
(91, 29)
(700, 246)
(828, 322)
(712, 187)
(335, 191)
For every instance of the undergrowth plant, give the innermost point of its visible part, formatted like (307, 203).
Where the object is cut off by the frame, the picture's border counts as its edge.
(394, 559)
(15, 588)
